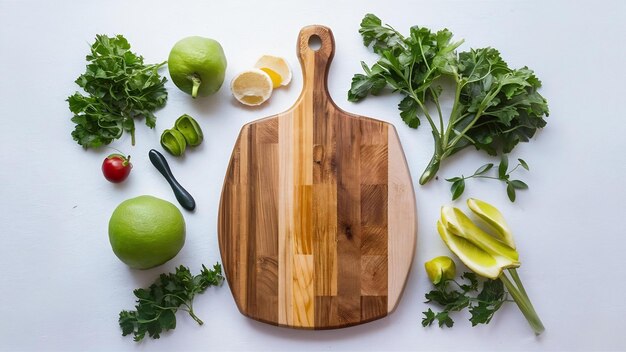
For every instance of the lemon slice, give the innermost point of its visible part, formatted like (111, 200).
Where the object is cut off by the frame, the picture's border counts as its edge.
(277, 68)
(252, 87)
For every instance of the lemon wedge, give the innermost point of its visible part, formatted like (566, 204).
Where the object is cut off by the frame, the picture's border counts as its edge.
(277, 68)
(252, 87)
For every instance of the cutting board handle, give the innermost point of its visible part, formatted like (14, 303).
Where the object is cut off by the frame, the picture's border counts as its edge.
(315, 63)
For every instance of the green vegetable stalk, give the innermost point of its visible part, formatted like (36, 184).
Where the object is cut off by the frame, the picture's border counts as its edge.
(492, 256)
(494, 107)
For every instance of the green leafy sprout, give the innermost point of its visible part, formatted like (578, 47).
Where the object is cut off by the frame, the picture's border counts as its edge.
(504, 175)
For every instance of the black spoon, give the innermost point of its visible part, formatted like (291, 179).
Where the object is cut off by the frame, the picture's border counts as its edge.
(184, 198)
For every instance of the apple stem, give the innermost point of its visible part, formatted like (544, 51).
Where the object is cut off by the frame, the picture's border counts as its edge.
(196, 84)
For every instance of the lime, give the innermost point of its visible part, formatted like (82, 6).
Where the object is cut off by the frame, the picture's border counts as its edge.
(197, 65)
(146, 231)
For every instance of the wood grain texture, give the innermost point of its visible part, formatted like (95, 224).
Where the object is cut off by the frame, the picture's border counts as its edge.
(317, 225)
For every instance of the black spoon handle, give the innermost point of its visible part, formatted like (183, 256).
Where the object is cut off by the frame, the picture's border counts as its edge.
(184, 198)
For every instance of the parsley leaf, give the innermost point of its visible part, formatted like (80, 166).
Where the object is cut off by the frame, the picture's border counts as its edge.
(119, 88)
(157, 305)
(490, 299)
(495, 107)
(429, 318)
(481, 305)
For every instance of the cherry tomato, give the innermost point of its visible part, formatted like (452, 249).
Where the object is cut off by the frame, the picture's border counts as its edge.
(116, 167)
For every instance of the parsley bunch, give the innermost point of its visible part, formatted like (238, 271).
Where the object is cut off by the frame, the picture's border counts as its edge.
(158, 304)
(482, 306)
(495, 107)
(119, 89)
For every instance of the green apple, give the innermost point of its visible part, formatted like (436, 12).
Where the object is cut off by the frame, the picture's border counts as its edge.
(197, 65)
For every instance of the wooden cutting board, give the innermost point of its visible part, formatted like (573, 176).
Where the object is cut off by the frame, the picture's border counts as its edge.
(317, 224)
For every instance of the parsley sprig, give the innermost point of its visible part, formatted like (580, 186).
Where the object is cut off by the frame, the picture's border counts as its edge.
(120, 88)
(494, 108)
(504, 174)
(481, 305)
(156, 306)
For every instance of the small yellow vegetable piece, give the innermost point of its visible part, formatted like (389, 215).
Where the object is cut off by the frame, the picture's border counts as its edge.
(440, 268)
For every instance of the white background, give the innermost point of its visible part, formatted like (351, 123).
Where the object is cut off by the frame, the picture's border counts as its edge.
(61, 287)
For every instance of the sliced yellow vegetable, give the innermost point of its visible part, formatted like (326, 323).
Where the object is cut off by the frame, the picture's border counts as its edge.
(478, 260)
(460, 225)
(493, 218)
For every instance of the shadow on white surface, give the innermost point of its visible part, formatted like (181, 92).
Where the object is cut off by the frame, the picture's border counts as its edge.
(328, 336)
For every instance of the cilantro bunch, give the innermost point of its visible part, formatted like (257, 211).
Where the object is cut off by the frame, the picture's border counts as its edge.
(120, 88)
(156, 306)
(495, 107)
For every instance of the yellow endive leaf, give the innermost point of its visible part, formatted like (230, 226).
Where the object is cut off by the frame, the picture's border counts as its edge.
(459, 224)
(481, 262)
(493, 218)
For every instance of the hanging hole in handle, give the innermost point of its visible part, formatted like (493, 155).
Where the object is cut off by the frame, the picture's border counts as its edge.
(315, 42)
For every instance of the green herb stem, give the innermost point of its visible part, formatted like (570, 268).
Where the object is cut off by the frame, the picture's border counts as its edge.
(132, 136)
(523, 302)
(518, 281)
(424, 109)
(436, 101)
(467, 128)
(442, 148)
(431, 169)
(200, 322)
(454, 112)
